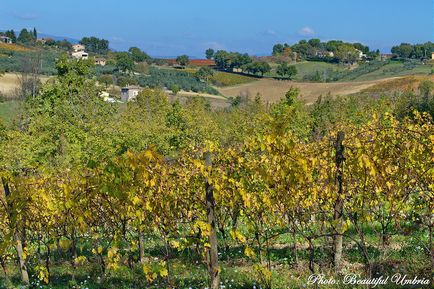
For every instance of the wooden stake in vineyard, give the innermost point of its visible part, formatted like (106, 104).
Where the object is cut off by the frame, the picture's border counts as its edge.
(338, 208)
(212, 251)
(18, 238)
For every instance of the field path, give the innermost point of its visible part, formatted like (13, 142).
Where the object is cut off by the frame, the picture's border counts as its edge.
(197, 94)
(272, 90)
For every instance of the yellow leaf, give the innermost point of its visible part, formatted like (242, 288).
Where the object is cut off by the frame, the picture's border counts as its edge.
(249, 252)
(164, 272)
(146, 269)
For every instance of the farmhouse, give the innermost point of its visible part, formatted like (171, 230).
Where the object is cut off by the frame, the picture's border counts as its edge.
(130, 93)
(361, 54)
(323, 54)
(78, 47)
(44, 40)
(100, 61)
(80, 55)
(5, 39)
(107, 98)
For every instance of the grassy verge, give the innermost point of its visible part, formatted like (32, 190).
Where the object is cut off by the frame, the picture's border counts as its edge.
(186, 270)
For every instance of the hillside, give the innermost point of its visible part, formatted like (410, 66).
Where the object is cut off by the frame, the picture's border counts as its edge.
(14, 47)
(398, 84)
(272, 90)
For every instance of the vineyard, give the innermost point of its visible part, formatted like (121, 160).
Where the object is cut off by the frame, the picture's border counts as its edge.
(156, 194)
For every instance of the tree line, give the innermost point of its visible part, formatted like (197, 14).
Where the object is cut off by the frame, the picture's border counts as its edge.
(416, 51)
(25, 36)
(332, 51)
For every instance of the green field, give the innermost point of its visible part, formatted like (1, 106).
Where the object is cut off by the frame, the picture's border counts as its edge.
(395, 69)
(308, 68)
(374, 70)
(230, 79)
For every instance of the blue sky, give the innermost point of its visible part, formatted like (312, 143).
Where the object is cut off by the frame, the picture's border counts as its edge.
(174, 27)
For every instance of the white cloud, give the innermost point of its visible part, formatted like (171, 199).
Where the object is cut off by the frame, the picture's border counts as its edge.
(306, 31)
(270, 32)
(26, 16)
(214, 45)
(117, 39)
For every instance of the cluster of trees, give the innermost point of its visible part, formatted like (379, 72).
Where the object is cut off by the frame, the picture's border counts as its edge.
(11, 34)
(204, 73)
(416, 51)
(126, 61)
(209, 53)
(26, 37)
(95, 45)
(84, 182)
(62, 44)
(334, 50)
(183, 60)
(138, 55)
(233, 61)
(285, 70)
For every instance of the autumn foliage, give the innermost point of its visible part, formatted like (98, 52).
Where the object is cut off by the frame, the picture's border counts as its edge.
(84, 182)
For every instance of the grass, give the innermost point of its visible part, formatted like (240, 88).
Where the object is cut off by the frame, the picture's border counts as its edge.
(309, 68)
(395, 68)
(230, 79)
(14, 47)
(8, 111)
(224, 79)
(404, 254)
(9, 82)
(399, 84)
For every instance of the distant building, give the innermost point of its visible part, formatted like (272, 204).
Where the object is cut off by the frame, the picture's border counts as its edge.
(432, 55)
(78, 47)
(100, 61)
(80, 55)
(5, 39)
(386, 56)
(361, 54)
(130, 93)
(107, 98)
(44, 40)
(324, 54)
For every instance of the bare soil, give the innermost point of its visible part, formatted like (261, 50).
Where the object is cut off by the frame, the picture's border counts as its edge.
(273, 90)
